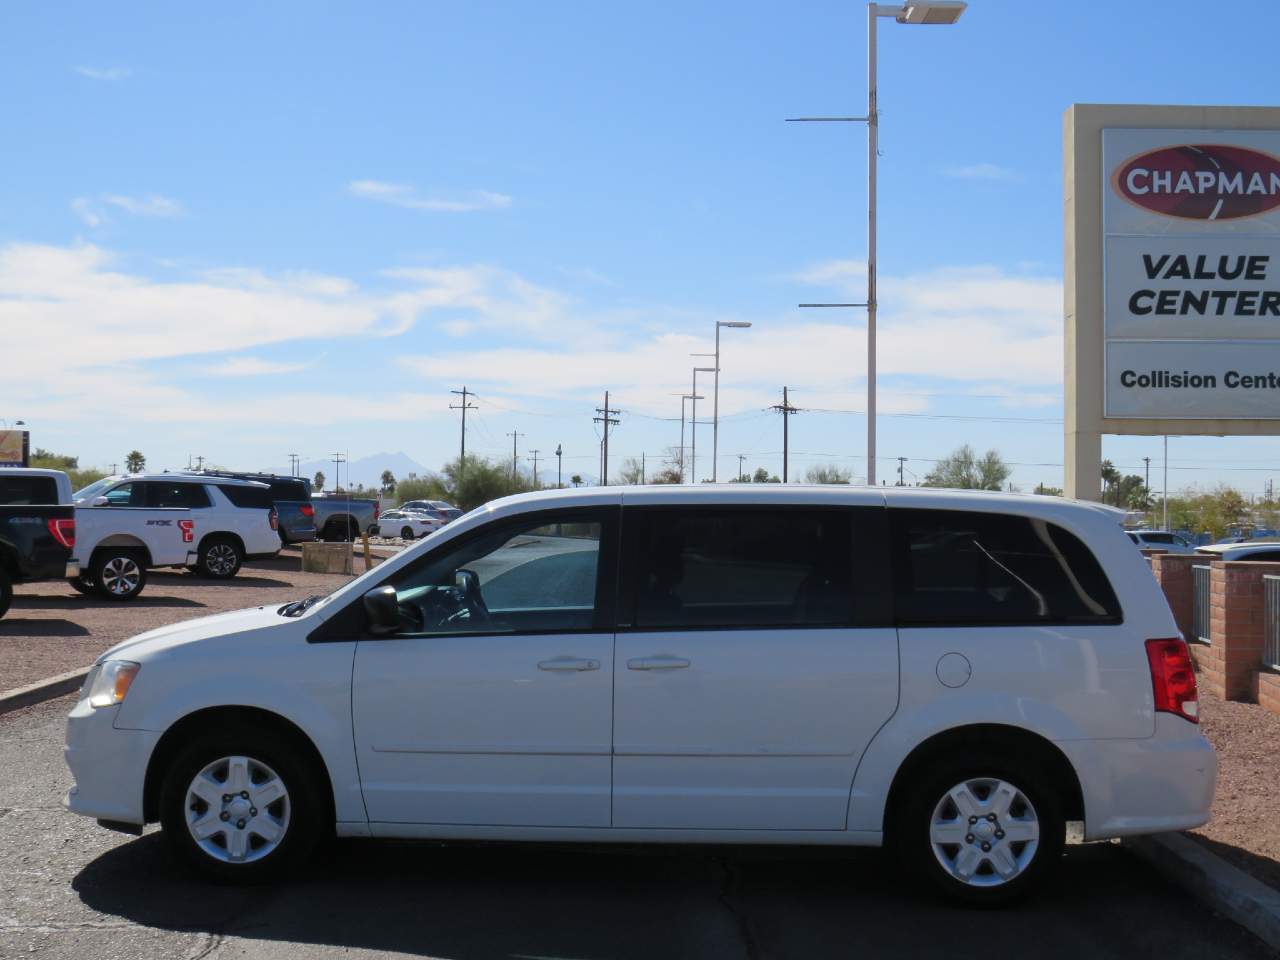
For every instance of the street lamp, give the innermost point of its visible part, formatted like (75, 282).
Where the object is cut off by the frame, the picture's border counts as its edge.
(715, 408)
(693, 421)
(934, 13)
(683, 397)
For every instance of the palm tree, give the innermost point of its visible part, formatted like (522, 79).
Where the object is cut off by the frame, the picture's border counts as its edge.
(576, 479)
(135, 462)
(388, 482)
(318, 483)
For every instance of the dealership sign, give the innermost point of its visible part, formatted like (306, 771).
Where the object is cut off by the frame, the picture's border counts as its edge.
(1191, 274)
(15, 450)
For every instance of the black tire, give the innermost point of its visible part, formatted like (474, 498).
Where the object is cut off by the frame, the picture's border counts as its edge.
(912, 843)
(303, 811)
(406, 533)
(118, 573)
(220, 557)
(6, 593)
(84, 584)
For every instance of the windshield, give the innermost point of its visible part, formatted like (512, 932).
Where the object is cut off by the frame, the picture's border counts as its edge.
(93, 489)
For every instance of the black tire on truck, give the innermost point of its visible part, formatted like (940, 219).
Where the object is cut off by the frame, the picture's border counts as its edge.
(118, 573)
(6, 592)
(220, 557)
(83, 584)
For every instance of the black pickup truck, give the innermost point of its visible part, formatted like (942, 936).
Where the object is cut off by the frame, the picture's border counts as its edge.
(37, 529)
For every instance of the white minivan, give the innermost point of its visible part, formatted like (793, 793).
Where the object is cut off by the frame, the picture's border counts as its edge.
(953, 674)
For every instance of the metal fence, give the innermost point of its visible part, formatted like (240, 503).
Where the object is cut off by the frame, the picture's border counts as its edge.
(1271, 627)
(1200, 601)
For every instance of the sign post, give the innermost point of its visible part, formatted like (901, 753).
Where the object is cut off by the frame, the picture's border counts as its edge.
(1172, 276)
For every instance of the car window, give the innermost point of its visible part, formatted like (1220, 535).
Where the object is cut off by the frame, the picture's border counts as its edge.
(958, 567)
(530, 577)
(28, 490)
(247, 496)
(746, 567)
(1263, 556)
(1135, 538)
(165, 494)
(1158, 537)
(126, 495)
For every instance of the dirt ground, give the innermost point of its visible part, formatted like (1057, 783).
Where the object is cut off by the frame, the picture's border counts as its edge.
(52, 629)
(1245, 827)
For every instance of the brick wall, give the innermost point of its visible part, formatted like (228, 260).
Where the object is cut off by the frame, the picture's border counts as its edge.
(1173, 572)
(1231, 663)
(1268, 690)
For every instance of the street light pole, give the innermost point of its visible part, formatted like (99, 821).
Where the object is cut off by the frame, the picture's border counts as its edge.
(693, 423)
(715, 404)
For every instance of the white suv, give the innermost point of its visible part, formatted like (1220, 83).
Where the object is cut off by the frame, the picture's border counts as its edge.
(955, 674)
(126, 525)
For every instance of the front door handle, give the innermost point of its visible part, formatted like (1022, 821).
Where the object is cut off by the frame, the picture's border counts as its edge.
(657, 663)
(569, 663)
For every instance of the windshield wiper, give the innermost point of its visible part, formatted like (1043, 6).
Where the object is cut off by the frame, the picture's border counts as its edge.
(297, 607)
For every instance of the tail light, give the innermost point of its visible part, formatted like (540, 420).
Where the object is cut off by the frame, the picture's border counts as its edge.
(64, 531)
(307, 510)
(274, 517)
(1173, 680)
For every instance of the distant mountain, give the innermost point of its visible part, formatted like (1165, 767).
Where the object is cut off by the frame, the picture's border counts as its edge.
(366, 471)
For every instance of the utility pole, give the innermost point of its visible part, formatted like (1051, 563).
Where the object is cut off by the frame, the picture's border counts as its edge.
(338, 460)
(1165, 524)
(199, 463)
(786, 409)
(1146, 478)
(902, 462)
(741, 457)
(559, 461)
(606, 419)
(515, 438)
(464, 406)
(642, 468)
(114, 465)
(534, 455)
(294, 460)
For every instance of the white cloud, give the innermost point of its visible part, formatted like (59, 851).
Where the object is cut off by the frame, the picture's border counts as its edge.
(402, 195)
(149, 206)
(982, 171)
(251, 367)
(83, 208)
(104, 73)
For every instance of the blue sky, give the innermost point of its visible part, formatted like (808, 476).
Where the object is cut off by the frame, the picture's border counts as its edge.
(296, 227)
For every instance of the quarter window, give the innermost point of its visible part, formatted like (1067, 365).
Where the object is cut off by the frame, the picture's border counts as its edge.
(163, 494)
(702, 569)
(956, 567)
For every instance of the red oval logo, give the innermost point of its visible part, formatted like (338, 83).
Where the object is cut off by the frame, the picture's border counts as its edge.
(1201, 181)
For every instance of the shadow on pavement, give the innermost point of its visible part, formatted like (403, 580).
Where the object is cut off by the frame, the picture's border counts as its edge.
(178, 580)
(76, 601)
(495, 901)
(1259, 867)
(15, 626)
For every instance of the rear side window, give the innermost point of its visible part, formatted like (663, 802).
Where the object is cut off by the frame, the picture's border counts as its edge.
(956, 567)
(162, 494)
(745, 567)
(27, 490)
(253, 497)
(289, 490)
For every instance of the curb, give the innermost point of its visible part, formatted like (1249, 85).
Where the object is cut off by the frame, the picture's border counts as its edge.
(43, 690)
(1226, 888)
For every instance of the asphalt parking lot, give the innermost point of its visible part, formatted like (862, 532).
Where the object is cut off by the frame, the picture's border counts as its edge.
(71, 889)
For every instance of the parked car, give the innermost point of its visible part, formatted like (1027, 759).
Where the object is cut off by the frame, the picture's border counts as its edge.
(437, 508)
(1258, 551)
(37, 529)
(129, 524)
(405, 524)
(292, 499)
(1161, 540)
(953, 674)
(339, 517)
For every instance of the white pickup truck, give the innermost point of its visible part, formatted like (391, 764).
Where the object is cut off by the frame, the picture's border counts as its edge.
(126, 525)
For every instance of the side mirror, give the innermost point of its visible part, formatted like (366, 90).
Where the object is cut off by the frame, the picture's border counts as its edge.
(382, 610)
(467, 582)
(101, 502)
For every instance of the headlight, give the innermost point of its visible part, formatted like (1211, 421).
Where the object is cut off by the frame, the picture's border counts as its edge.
(109, 682)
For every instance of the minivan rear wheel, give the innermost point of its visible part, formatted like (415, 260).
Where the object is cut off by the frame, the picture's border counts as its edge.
(241, 805)
(983, 831)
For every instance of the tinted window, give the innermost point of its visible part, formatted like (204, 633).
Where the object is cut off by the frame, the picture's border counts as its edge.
(126, 495)
(259, 497)
(1158, 537)
(531, 577)
(1263, 556)
(957, 567)
(26, 490)
(164, 494)
(289, 490)
(740, 567)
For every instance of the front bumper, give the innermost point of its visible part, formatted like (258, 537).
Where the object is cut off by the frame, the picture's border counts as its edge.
(1154, 785)
(109, 765)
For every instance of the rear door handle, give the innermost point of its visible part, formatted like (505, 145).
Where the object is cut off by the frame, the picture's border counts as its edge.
(657, 663)
(569, 663)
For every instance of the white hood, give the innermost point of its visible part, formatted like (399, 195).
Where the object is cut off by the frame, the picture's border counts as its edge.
(189, 631)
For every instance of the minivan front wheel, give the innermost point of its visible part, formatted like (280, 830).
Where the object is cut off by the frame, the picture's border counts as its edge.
(240, 807)
(982, 833)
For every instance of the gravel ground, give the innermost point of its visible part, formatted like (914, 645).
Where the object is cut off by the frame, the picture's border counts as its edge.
(52, 629)
(1245, 828)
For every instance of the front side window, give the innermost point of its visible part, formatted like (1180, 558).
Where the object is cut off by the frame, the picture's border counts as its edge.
(530, 577)
(737, 568)
(126, 495)
(957, 567)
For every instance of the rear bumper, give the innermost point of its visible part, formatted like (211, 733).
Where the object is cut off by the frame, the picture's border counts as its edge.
(73, 569)
(1161, 783)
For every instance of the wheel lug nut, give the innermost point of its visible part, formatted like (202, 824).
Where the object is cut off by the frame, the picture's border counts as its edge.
(999, 834)
(239, 824)
(990, 816)
(244, 794)
(986, 847)
(224, 816)
(973, 819)
(968, 838)
(226, 798)
(253, 812)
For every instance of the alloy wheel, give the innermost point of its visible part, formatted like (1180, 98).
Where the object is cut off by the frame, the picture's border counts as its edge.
(120, 576)
(220, 559)
(237, 809)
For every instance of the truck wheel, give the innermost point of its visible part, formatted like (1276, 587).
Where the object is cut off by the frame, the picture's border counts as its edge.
(82, 584)
(241, 804)
(6, 593)
(118, 573)
(220, 558)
